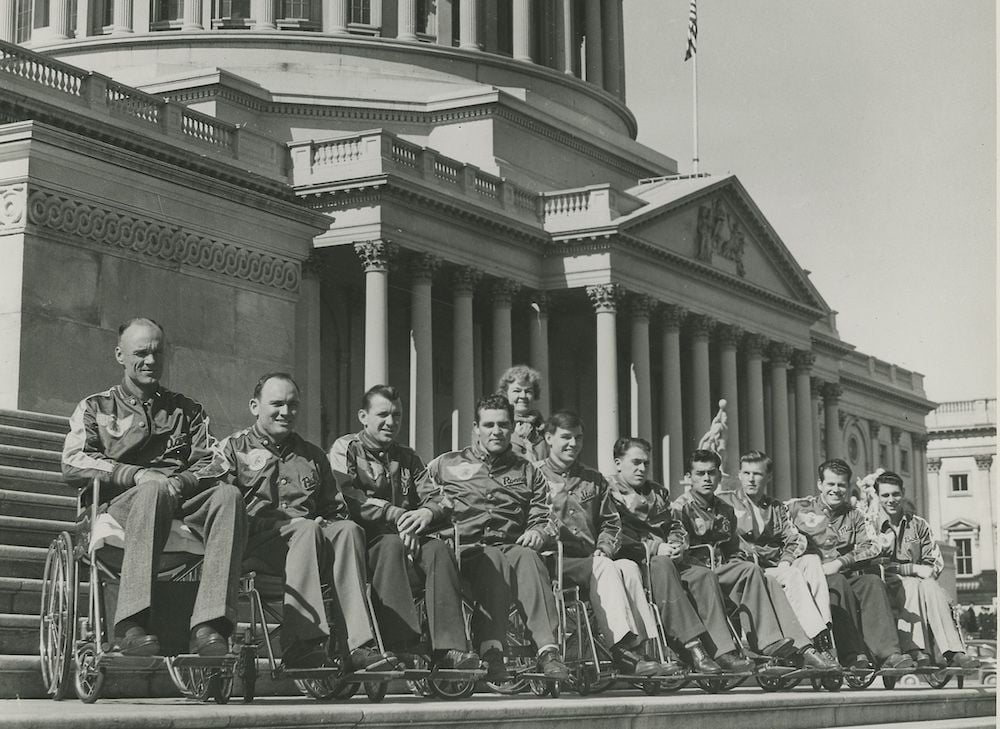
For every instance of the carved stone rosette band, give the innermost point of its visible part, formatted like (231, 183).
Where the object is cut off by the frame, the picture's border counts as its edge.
(605, 297)
(13, 201)
(159, 240)
(375, 255)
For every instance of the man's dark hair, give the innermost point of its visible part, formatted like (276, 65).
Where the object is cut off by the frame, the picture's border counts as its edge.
(622, 446)
(702, 455)
(494, 402)
(565, 419)
(389, 392)
(757, 457)
(139, 320)
(272, 376)
(835, 465)
(891, 478)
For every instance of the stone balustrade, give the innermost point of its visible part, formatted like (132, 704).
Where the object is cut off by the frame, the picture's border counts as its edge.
(585, 207)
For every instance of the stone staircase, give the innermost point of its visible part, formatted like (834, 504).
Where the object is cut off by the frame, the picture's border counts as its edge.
(35, 505)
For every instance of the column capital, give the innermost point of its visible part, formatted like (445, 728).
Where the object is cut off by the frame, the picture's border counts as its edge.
(934, 465)
(375, 255)
(699, 325)
(895, 434)
(803, 359)
(605, 297)
(874, 428)
(984, 462)
(540, 301)
(755, 345)
(918, 440)
(831, 393)
(640, 305)
(503, 290)
(728, 335)
(423, 266)
(780, 354)
(465, 278)
(672, 316)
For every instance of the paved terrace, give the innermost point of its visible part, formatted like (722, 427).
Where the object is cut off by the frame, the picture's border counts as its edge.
(902, 708)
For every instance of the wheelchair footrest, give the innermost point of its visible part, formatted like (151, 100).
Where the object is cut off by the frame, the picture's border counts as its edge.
(115, 662)
(373, 676)
(193, 660)
(895, 671)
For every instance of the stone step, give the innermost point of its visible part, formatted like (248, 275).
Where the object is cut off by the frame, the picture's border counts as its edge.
(30, 438)
(35, 421)
(41, 506)
(36, 458)
(29, 532)
(23, 595)
(20, 561)
(14, 478)
(19, 633)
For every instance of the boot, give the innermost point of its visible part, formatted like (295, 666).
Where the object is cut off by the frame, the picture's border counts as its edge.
(700, 660)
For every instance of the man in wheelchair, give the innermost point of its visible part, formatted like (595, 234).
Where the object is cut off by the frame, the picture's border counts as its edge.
(651, 534)
(911, 562)
(378, 477)
(591, 532)
(500, 504)
(299, 528)
(147, 444)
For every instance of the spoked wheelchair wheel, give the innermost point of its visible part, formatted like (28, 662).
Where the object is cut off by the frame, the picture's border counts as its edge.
(856, 681)
(776, 683)
(939, 679)
(58, 616)
(716, 685)
(445, 689)
(203, 684)
(326, 688)
(89, 679)
(832, 682)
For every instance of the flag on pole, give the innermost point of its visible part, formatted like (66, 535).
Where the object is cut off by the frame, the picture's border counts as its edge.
(692, 30)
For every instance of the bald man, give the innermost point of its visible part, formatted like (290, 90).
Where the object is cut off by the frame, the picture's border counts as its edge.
(146, 444)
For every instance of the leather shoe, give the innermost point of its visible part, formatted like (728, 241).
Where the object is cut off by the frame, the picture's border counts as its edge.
(899, 660)
(809, 657)
(137, 642)
(700, 660)
(552, 666)
(780, 648)
(496, 669)
(733, 662)
(959, 659)
(921, 658)
(207, 641)
(367, 658)
(632, 664)
(860, 662)
(668, 668)
(457, 660)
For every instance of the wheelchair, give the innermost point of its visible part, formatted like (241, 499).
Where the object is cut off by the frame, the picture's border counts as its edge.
(770, 674)
(76, 633)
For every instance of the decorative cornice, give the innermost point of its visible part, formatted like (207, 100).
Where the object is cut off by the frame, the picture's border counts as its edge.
(672, 316)
(13, 204)
(464, 280)
(605, 297)
(803, 359)
(982, 431)
(728, 335)
(159, 240)
(754, 345)
(375, 255)
(984, 462)
(913, 400)
(934, 465)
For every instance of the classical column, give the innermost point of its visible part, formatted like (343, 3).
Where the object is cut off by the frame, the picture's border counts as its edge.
(673, 414)
(815, 389)
(421, 356)
(894, 458)
(699, 328)
(406, 21)
(783, 476)
(614, 47)
(521, 23)
(59, 19)
(728, 337)
(641, 393)
(604, 298)
(121, 19)
(503, 291)
(804, 419)
(468, 25)
(263, 15)
(375, 256)
(595, 55)
(874, 434)
(918, 490)
(308, 359)
(831, 410)
(8, 22)
(463, 379)
(564, 35)
(753, 348)
(335, 17)
(192, 15)
(538, 346)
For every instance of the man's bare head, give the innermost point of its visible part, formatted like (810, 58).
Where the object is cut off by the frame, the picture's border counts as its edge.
(140, 353)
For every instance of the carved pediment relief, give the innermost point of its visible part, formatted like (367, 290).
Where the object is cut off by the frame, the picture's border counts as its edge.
(720, 233)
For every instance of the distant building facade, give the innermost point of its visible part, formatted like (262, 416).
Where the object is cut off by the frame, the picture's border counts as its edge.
(962, 492)
(414, 192)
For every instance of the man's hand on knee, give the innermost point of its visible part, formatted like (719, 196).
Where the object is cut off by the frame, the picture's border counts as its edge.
(149, 477)
(531, 539)
(833, 567)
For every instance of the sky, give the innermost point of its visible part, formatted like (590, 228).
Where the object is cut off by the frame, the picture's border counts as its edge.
(866, 134)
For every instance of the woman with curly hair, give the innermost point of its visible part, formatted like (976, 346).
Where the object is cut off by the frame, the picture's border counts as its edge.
(522, 385)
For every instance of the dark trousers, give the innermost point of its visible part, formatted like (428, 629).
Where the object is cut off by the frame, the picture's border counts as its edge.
(500, 574)
(308, 554)
(862, 616)
(216, 514)
(680, 621)
(744, 584)
(391, 573)
(703, 587)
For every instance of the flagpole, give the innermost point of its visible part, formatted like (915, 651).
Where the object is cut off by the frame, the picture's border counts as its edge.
(694, 115)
